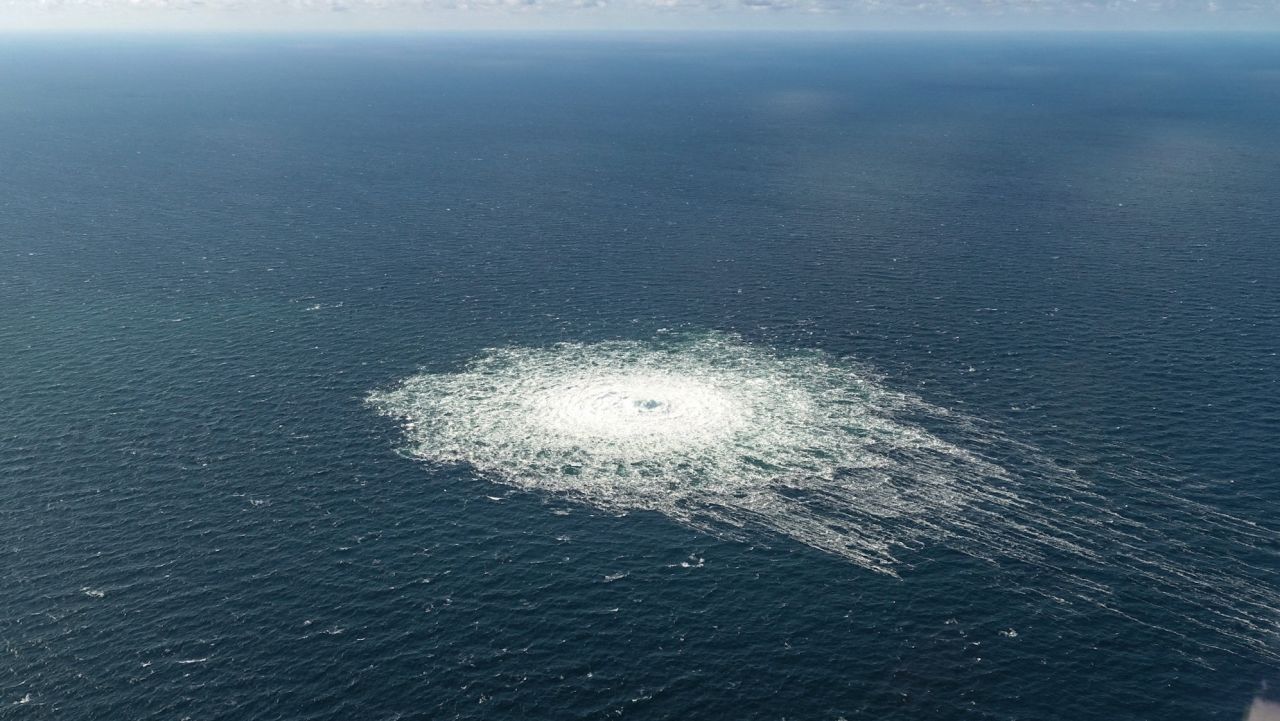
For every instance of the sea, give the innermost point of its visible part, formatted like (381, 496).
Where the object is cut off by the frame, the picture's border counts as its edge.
(326, 364)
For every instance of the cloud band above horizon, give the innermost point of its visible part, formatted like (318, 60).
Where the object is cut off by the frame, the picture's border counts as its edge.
(624, 14)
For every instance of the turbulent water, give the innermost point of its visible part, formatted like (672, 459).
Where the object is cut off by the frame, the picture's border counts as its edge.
(708, 430)
(737, 439)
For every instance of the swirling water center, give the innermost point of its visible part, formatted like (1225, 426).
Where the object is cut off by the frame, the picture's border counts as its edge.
(627, 408)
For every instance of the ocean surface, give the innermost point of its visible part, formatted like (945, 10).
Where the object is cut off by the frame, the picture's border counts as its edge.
(676, 377)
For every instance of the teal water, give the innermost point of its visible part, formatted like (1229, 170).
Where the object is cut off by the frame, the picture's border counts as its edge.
(1053, 258)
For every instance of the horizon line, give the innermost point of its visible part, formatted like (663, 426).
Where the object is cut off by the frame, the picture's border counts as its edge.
(268, 31)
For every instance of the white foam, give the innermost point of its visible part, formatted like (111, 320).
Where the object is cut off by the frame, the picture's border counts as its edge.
(737, 440)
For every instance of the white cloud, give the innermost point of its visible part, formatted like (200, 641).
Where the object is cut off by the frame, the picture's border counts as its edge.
(818, 14)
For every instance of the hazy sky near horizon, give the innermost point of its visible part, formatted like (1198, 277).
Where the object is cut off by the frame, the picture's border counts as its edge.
(331, 15)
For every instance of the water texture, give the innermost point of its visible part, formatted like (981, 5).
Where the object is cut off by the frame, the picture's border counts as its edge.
(648, 377)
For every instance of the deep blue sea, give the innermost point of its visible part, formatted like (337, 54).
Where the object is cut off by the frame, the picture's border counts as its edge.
(1058, 253)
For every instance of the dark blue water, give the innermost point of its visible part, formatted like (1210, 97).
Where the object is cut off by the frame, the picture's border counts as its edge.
(212, 250)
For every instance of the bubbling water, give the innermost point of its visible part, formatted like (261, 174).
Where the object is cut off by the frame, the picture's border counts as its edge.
(743, 441)
(680, 411)
(705, 429)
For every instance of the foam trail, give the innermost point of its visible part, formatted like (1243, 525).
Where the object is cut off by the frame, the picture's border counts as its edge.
(739, 440)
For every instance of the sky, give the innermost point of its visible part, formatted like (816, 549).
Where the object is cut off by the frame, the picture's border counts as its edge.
(401, 15)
